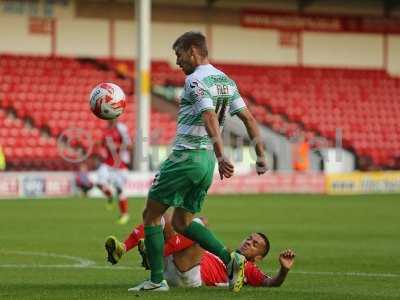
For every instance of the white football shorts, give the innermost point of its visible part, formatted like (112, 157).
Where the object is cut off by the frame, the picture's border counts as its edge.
(107, 175)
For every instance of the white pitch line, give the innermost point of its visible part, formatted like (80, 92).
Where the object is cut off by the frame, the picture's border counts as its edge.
(15, 266)
(119, 268)
(83, 263)
(360, 274)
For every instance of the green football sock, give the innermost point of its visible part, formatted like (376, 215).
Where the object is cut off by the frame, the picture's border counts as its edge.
(154, 242)
(206, 239)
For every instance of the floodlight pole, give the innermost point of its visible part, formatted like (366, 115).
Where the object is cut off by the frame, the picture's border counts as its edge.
(142, 86)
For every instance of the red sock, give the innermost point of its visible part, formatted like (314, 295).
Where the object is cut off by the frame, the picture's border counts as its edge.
(123, 205)
(134, 237)
(176, 243)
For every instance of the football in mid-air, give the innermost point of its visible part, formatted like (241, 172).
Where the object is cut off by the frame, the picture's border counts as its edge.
(107, 101)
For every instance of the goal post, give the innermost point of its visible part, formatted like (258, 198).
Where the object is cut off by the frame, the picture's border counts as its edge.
(142, 85)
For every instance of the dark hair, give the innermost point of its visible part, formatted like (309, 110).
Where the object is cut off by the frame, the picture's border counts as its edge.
(267, 245)
(189, 39)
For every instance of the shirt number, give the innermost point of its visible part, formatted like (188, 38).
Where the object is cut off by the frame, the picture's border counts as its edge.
(223, 93)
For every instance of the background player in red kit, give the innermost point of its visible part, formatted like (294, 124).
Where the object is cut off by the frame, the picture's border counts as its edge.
(111, 175)
(188, 265)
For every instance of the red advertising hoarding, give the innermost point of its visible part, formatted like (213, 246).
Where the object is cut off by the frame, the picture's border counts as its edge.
(8, 186)
(312, 22)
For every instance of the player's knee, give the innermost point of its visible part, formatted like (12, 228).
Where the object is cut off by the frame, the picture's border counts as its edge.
(179, 225)
(104, 188)
(151, 219)
(118, 190)
(144, 214)
(203, 220)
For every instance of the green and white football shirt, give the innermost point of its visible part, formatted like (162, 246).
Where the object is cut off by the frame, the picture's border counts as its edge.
(205, 89)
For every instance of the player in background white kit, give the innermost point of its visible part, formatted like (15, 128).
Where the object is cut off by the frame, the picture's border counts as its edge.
(112, 173)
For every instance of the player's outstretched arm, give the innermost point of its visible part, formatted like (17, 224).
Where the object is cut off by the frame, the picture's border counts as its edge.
(286, 259)
(254, 134)
(225, 167)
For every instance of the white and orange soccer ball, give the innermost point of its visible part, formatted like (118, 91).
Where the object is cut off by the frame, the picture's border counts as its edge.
(107, 101)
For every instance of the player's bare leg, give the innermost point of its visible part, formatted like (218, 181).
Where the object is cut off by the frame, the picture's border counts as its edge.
(108, 193)
(188, 258)
(123, 207)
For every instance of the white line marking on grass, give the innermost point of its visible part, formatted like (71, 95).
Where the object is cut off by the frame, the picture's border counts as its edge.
(11, 266)
(115, 267)
(80, 262)
(359, 274)
(84, 263)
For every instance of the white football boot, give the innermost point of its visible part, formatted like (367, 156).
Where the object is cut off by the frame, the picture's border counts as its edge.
(151, 286)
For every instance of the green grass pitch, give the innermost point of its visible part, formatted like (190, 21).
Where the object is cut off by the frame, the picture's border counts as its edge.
(347, 247)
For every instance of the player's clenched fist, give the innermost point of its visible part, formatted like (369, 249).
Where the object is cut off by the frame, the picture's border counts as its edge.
(286, 258)
(261, 166)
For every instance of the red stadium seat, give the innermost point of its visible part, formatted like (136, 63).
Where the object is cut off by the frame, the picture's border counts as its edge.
(326, 99)
(53, 92)
(317, 101)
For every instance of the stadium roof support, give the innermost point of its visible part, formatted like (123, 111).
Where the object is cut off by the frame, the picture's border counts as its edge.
(142, 143)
